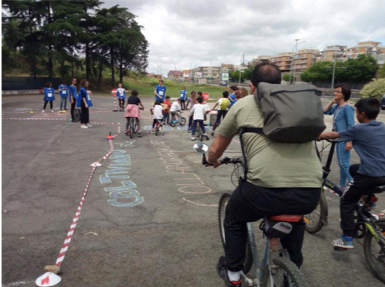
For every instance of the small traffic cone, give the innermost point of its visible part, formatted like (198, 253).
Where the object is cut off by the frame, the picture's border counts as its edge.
(110, 137)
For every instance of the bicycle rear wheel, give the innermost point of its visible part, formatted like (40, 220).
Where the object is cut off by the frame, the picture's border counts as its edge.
(132, 127)
(173, 123)
(287, 273)
(374, 253)
(315, 220)
(221, 218)
(157, 130)
(182, 121)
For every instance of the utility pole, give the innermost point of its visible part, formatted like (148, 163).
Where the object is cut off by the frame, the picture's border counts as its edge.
(211, 69)
(334, 71)
(295, 58)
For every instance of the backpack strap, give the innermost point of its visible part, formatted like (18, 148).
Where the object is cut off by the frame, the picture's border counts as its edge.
(243, 131)
(252, 130)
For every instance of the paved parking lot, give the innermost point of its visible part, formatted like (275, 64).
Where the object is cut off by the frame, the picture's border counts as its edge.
(150, 215)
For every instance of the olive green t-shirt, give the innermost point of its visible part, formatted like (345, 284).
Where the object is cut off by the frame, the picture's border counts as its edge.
(271, 164)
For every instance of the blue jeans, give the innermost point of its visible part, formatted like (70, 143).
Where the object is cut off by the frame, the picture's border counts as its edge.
(343, 157)
(201, 124)
(63, 100)
(166, 118)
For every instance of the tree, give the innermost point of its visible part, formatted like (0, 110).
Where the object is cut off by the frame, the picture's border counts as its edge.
(361, 69)
(381, 72)
(288, 77)
(376, 89)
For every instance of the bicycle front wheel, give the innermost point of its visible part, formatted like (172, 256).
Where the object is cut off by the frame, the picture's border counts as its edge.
(315, 220)
(173, 123)
(132, 123)
(221, 218)
(286, 273)
(374, 253)
(182, 121)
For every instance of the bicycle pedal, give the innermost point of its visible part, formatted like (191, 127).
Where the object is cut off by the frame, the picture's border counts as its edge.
(336, 248)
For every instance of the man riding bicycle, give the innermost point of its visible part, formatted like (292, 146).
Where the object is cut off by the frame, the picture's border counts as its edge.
(282, 178)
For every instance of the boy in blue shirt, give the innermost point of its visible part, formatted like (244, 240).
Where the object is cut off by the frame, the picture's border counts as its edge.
(160, 92)
(63, 92)
(183, 98)
(73, 95)
(368, 139)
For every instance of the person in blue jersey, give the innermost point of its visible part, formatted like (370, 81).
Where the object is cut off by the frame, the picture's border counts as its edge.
(63, 92)
(48, 96)
(84, 102)
(183, 98)
(343, 119)
(232, 97)
(121, 94)
(73, 95)
(160, 92)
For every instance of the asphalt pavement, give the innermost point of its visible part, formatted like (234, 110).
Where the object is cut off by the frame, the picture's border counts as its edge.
(150, 215)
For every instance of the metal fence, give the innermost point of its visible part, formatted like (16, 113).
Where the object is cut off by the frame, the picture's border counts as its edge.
(27, 83)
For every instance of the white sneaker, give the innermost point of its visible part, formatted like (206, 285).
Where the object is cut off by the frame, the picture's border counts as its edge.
(43, 111)
(193, 138)
(51, 111)
(83, 127)
(89, 126)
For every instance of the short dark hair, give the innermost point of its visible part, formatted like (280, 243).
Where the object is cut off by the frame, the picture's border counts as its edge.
(178, 99)
(199, 93)
(369, 106)
(134, 93)
(83, 83)
(225, 94)
(157, 103)
(345, 89)
(193, 93)
(200, 100)
(161, 81)
(168, 97)
(48, 85)
(64, 82)
(266, 72)
(234, 88)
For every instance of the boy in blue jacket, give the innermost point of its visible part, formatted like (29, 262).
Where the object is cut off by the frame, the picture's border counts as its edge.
(63, 92)
(368, 139)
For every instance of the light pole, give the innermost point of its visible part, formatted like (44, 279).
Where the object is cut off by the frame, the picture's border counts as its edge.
(211, 68)
(243, 63)
(192, 72)
(295, 57)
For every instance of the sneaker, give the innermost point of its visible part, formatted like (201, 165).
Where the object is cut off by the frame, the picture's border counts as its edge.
(66, 109)
(139, 135)
(193, 138)
(153, 130)
(51, 111)
(43, 111)
(344, 242)
(188, 131)
(89, 126)
(83, 127)
(222, 272)
(212, 133)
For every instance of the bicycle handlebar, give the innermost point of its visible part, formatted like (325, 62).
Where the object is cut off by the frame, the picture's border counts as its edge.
(333, 140)
(225, 160)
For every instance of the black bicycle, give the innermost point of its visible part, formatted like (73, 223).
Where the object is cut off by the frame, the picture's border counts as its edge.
(271, 271)
(368, 226)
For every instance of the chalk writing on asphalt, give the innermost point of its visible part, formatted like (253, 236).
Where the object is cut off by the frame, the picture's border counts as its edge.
(125, 194)
(185, 179)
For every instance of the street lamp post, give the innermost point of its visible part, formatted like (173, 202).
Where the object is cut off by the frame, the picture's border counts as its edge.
(192, 72)
(211, 68)
(243, 63)
(295, 58)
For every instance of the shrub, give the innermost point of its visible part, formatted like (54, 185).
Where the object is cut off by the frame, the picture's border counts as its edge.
(375, 89)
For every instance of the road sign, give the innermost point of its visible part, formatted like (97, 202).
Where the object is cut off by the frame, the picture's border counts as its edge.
(198, 75)
(206, 96)
(225, 76)
(113, 91)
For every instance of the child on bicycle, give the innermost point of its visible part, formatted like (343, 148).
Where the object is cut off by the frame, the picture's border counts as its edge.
(132, 110)
(223, 106)
(368, 141)
(176, 109)
(199, 113)
(157, 110)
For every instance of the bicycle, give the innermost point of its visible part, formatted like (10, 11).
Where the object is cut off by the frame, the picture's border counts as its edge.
(199, 133)
(368, 226)
(133, 127)
(157, 127)
(174, 121)
(269, 270)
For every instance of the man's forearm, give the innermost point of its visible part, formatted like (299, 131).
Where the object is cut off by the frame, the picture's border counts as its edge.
(329, 135)
(218, 147)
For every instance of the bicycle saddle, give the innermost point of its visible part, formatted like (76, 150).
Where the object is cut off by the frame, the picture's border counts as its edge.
(287, 218)
(378, 189)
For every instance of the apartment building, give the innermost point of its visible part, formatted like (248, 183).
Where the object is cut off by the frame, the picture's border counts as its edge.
(227, 68)
(331, 52)
(367, 48)
(283, 61)
(207, 72)
(305, 59)
(260, 59)
(174, 75)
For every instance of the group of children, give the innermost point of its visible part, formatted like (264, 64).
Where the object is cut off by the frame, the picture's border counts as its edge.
(79, 99)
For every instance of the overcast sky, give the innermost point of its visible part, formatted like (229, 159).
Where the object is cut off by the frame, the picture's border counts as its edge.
(182, 31)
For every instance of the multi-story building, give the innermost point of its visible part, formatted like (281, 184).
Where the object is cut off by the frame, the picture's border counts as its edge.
(366, 48)
(227, 68)
(305, 59)
(186, 75)
(283, 61)
(331, 52)
(260, 59)
(174, 75)
(207, 72)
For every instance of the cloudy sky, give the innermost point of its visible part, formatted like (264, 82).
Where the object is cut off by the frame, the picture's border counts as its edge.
(184, 33)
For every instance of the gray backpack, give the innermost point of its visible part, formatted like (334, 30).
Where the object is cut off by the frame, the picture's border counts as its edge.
(292, 113)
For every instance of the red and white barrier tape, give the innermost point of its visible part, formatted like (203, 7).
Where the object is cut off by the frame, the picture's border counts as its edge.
(67, 240)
